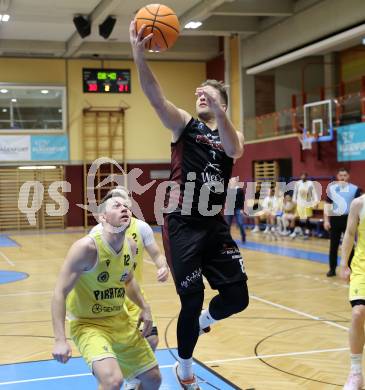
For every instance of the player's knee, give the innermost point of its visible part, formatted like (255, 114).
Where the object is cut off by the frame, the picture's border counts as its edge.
(191, 304)
(242, 303)
(236, 297)
(112, 382)
(153, 341)
(239, 304)
(358, 313)
(152, 379)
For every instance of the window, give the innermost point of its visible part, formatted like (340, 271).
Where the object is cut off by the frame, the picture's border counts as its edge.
(32, 109)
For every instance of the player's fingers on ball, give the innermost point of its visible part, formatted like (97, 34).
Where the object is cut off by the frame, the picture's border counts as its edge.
(147, 38)
(140, 32)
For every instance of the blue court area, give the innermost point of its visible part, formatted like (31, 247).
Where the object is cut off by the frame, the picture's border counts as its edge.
(284, 251)
(75, 374)
(6, 241)
(278, 250)
(11, 276)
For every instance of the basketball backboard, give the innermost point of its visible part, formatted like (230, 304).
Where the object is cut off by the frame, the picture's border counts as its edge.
(318, 125)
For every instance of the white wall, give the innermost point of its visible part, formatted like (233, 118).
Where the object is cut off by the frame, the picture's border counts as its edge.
(323, 18)
(288, 80)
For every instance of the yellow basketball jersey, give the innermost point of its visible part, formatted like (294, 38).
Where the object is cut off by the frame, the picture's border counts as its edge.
(134, 233)
(100, 292)
(359, 256)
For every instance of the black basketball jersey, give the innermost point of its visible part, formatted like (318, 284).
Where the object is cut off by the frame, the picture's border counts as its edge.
(198, 160)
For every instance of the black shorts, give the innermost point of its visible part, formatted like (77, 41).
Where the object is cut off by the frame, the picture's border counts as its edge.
(197, 246)
(357, 302)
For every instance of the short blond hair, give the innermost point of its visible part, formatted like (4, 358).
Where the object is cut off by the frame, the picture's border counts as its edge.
(119, 191)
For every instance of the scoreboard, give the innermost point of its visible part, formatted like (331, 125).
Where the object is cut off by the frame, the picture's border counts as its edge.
(106, 80)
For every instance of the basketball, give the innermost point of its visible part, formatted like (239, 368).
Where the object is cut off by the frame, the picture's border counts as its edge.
(162, 22)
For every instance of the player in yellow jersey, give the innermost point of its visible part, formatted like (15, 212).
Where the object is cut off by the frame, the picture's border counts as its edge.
(355, 272)
(143, 236)
(95, 277)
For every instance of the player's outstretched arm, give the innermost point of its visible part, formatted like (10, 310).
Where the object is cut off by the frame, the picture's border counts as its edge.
(154, 251)
(81, 257)
(172, 117)
(134, 294)
(160, 261)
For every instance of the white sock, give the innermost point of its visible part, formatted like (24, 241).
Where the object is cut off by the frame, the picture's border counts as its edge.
(206, 319)
(185, 369)
(356, 363)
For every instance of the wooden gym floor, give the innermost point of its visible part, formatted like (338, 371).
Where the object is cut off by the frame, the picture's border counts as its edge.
(292, 336)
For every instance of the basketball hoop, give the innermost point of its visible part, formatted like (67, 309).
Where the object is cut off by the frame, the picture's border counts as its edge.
(306, 142)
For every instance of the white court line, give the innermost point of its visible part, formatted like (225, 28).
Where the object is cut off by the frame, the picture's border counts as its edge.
(27, 293)
(49, 378)
(6, 258)
(60, 377)
(276, 355)
(205, 362)
(317, 279)
(301, 313)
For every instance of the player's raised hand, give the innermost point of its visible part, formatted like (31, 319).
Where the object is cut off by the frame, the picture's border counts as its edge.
(211, 97)
(137, 40)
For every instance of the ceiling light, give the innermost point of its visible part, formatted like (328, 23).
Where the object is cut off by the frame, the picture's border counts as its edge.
(4, 90)
(14, 100)
(44, 91)
(363, 41)
(4, 18)
(5, 110)
(38, 167)
(193, 25)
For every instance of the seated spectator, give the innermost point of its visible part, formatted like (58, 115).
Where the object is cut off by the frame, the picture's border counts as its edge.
(270, 209)
(287, 220)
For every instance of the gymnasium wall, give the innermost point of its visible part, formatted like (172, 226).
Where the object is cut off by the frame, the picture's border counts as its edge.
(307, 25)
(147, 141)
(352, 63)
(320, 161)
(291, 78)
(146, 138)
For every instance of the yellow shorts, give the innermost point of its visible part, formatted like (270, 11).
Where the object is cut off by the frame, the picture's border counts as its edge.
(115, 337)
(304, 212)
(357, 280)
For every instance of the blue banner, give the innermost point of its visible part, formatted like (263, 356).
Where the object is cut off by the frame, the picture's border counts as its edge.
(49, 148)
(351, 142)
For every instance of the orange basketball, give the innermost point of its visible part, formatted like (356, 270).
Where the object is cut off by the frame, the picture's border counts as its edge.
(162, 22)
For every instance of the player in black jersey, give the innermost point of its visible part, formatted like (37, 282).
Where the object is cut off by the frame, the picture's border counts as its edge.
(196, 238)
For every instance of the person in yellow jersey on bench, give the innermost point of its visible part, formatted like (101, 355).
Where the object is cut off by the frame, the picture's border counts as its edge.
(94, 280)
(143, 236)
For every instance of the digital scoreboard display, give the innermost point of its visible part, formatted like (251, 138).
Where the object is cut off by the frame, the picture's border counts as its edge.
(106, 80)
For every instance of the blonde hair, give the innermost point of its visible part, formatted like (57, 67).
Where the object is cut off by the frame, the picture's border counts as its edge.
(119, 191)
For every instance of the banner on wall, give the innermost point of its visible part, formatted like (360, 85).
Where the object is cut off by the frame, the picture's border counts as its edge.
(34, 148)
(49, 147)
(15, 148)
(351, 142)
